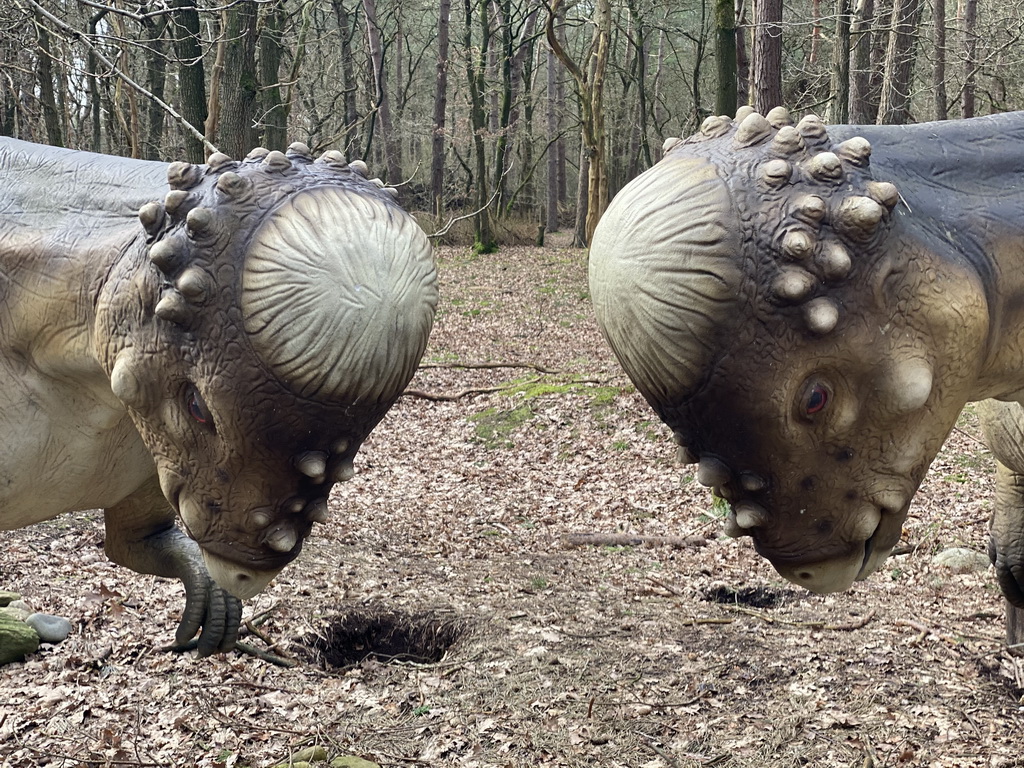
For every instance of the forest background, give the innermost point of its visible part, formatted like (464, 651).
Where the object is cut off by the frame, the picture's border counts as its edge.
(524, 116)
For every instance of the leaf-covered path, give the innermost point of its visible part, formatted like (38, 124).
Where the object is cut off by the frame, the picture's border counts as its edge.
(544, 587)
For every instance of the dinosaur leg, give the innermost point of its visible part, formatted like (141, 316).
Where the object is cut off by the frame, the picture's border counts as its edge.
(1006, 547)
(1004, 429)
(141, 535)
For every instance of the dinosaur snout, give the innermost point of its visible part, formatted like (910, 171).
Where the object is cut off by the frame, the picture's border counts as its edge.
(238, 580)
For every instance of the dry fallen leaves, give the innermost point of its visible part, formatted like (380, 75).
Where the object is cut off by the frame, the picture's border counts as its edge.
(615, 652)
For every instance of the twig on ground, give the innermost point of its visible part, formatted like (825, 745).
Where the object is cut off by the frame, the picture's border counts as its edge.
(632, 540)
(923, 630)
(245, 648)
(450, 397)
(488, 366)
(814, 625)
(99, 759)
(279, 661)
(999, 649)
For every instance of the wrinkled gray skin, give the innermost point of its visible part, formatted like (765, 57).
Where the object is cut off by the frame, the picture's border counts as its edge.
(810, 309)
(208, 342)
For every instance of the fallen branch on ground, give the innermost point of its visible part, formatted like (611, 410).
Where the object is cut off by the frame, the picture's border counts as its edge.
(813, 625)
(632, 540)
(445, 397)
(490, 366)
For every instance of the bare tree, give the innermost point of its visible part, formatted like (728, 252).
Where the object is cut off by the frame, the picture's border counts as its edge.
(238, 98)
(939, 64)
(554, 108)
(591, 87)
(839, 105)
(968, 12)
(47, 98)
(191, 72)
(382, 102)
(894, 106)
(725, 56)
(863, 107)
(767, 54)
(437, 142)
(474, 10)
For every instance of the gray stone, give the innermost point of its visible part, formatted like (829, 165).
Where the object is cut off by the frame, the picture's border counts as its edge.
(961, 560)
(51, 629)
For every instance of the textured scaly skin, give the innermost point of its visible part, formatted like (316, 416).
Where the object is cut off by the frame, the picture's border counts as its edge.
(170, 367)
(810, 308)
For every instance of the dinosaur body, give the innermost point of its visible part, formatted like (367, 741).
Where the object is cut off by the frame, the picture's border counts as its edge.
(211, 343)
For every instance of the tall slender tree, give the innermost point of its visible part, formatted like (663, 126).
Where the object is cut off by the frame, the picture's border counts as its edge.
(590, 82)
(437, 139)
(939, 62)
(381, 96)
(725, 56)
(968, 12)
(894, 105)
(188, 51)
(863, 106)
(767, 76)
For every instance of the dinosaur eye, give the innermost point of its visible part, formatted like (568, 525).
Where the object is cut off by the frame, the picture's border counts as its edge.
(197, 408)
(815, 399)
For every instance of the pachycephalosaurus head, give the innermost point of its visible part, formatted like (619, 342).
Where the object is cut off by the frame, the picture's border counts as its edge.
(802, 336)
(283, 307)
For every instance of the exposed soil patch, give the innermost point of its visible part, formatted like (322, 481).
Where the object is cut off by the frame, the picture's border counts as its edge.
(385, 636)
(752, 597)
(530, 493)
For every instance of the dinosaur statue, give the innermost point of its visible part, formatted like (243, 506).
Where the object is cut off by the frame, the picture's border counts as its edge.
(215, 352)
(809, 308)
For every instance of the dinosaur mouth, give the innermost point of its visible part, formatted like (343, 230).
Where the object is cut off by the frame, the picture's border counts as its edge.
(880, 543)
(869, 548)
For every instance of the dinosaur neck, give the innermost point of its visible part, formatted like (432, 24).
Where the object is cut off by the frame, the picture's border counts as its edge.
(963, 206)
(69, 218)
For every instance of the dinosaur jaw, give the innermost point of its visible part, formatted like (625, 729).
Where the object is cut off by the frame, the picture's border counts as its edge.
(236, 579)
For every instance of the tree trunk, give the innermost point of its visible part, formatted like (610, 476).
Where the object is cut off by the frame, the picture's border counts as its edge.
(520, 127)
(553, 110)
(95, 105)
(191, 77)
(839, 106)
(346, 31)
(862, 107)
(725, 55)
(47, 99)
(742, 56)
(767, 55)
(579, 232)
(815, 52)
(156, 77)
(939, 67)
(968, 13)
(273, 109)
(894, 106)
(475, 69)
(501, 117)
(440, 110)
(591, 88)
(392, 147)
(239, 95)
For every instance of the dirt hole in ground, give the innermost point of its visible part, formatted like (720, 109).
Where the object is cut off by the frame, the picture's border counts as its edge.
(753, 597)
(387, 636)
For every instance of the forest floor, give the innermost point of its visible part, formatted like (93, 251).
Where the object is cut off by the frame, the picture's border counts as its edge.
(543, 586)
